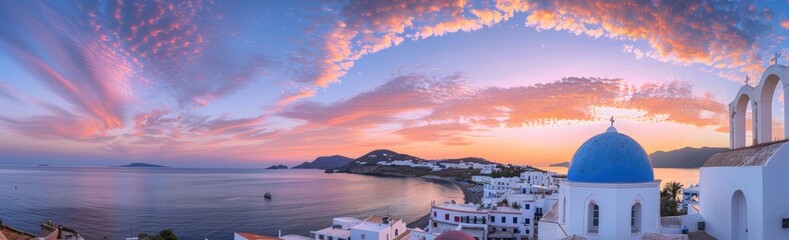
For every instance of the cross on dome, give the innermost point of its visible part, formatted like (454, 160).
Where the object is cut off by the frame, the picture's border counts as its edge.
(775, 59)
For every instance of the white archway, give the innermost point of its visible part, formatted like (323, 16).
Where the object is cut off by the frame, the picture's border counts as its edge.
(739, 118)
(760, 100)
(766, 90)
(739, 216)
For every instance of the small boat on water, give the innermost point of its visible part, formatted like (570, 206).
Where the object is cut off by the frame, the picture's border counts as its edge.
(267, 195)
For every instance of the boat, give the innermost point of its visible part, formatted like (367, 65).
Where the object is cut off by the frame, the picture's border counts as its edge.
(267, 195)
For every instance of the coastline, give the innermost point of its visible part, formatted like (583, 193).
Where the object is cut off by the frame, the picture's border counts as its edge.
(468, 197)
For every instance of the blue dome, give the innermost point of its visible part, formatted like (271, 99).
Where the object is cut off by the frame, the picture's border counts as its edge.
(610, 157)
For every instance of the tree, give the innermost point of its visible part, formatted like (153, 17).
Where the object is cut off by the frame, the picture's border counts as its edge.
(515, 205)
(669, 199)
(166, 234)
(674, 190)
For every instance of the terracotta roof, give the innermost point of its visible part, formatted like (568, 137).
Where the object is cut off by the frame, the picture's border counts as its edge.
(455, 235)
(756, 155)
(252, 236)
(14, 234)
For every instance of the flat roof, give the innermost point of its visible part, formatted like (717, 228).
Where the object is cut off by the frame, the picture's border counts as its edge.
(460, 207)
(371, 226)
(380, 219)
(294, 237)
(338, 232)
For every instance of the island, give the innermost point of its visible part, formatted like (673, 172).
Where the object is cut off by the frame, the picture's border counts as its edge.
(277, 166)
(561, 164)
(687, 157)
(138, 164)
(325, 162)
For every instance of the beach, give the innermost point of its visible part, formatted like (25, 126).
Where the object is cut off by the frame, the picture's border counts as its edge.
(469, 196)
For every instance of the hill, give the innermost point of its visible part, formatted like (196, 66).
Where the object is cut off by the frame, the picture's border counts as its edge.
(137, 164)
(380, 155)
(467, 160)
(325, 162)
(683, 158)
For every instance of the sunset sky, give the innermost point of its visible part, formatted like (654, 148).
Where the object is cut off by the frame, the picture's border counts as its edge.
(250, 83)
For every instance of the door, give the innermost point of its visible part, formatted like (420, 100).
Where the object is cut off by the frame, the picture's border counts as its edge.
(739, 216)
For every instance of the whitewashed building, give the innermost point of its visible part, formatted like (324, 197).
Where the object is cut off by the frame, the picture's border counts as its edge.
(371, 228)
(499, 186)
(743, 192)
(610, 192)
(481, 179)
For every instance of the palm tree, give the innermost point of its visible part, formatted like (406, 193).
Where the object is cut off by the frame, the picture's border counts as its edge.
(673, 189)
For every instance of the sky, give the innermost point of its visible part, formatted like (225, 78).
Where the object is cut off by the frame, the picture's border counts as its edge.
(251, 83)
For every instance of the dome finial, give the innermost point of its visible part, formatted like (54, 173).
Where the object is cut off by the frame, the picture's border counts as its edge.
(611, 129)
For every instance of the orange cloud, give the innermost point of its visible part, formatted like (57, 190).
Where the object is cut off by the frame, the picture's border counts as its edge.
(720, 35)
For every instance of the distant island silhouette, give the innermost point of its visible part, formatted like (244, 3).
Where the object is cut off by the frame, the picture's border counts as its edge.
(277, 166)
(138, 164)
(687, 157)
(325, 162)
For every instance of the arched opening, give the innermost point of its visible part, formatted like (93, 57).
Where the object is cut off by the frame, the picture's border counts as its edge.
(772, 92)
(635, 218)
(739, 216)
(742, 123)
(593, 222)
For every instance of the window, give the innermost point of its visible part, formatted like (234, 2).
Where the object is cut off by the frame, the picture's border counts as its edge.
(594, 218)
(363, 236)
(503, 219)
(435, 214)
(397, 232)
(514, 220)
(435, 224)
(526, 206)
(457, 218)
(320, 236)
(527, 221)
(516, 230)
(503, 229)
(492, 219)
(635, 218)
(331, 238)
(446, 216)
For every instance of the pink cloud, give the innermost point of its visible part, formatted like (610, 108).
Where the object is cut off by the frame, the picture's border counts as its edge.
(8, 93)
(723, 35)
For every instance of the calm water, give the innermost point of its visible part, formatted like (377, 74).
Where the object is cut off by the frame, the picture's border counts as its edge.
(203, 203)
(686, 176)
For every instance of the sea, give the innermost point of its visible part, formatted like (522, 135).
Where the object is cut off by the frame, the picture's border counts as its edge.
(685, 176)
(115, 202)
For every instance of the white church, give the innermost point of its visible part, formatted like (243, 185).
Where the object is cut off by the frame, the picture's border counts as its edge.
(611, 192)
